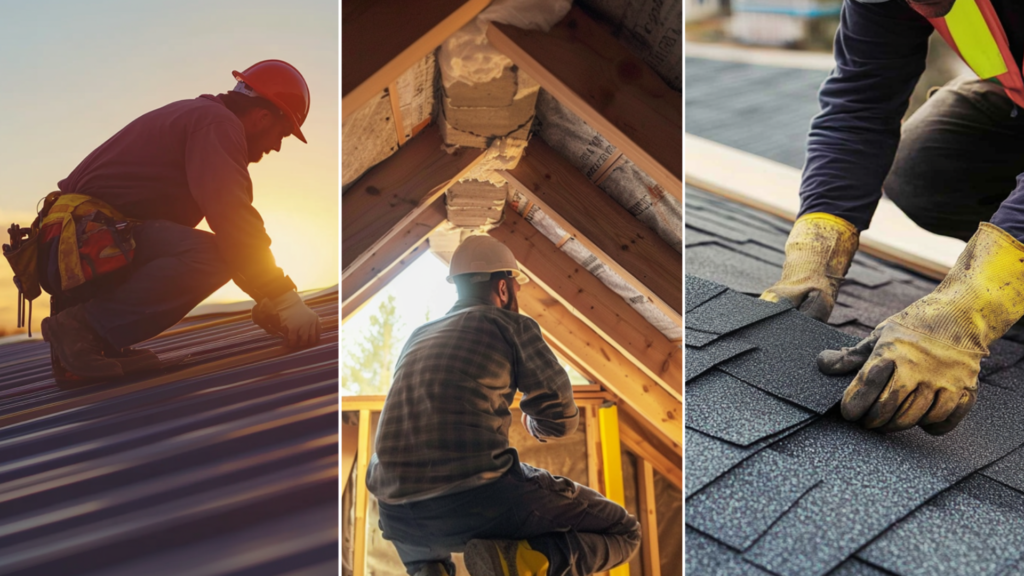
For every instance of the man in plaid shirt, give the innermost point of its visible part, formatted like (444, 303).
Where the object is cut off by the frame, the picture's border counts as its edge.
(444, 473)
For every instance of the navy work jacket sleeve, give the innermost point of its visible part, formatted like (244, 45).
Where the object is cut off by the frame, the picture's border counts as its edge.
(880, 52)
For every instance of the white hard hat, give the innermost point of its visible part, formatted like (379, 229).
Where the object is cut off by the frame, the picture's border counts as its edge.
(483, 255)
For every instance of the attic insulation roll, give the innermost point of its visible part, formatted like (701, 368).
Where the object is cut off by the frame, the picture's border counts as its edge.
(367, 137)
(467, 56)
(588, 151)
(593, 264)
(416, 94)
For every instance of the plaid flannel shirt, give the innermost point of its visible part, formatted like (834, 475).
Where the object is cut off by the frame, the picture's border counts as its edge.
(444, 426)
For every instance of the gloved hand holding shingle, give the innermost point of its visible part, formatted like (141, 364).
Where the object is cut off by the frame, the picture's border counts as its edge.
(920, 367)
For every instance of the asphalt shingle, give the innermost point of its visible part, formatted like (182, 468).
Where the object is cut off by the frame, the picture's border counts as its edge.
(736, 510)
(728, 408)
(976, 527)
(784, 362)
(699, 360)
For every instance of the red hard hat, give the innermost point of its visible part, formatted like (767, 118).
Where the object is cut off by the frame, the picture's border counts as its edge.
(281, 83)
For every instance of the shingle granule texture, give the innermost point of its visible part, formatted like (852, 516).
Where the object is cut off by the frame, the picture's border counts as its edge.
(738, 271)
(976, 527)
(784, 362)
(736, 510)
(705, 556)
(699, 360)
(872, 480)
(731, 311)
(699, 291)
(707, 457)
(697, 339)
(1009, 470)
(728, 408)
(904, 503)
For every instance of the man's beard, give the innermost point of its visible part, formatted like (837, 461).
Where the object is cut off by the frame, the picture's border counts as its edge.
(512, 305)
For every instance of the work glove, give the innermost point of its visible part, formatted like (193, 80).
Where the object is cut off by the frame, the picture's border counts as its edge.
(818, 255)
(288, 316)
(920, 366)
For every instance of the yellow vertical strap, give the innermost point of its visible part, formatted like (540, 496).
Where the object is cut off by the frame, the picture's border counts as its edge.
(359, 526)
(611, 456)
(593, 449)
(649, 551)
(974, 40)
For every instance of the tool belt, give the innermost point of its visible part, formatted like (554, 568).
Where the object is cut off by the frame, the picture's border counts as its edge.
(74, 239)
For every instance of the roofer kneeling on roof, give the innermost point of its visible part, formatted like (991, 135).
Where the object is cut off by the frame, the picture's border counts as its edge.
(117, 245)
(957, 163)
(444, 473)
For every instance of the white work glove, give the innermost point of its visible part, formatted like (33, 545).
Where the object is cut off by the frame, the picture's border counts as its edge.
(288, 316)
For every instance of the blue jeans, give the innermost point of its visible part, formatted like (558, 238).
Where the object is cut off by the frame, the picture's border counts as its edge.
(174, 269)
(576, 528)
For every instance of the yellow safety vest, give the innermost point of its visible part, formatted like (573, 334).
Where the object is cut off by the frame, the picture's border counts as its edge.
(973, 29)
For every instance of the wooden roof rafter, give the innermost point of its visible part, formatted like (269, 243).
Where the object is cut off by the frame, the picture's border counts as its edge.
(601, 361)
(388, 259)
(590, 72)
(599, 223)
(393, 194)
(591, 301)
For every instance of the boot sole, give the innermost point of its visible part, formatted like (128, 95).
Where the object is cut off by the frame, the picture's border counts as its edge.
(48, 336)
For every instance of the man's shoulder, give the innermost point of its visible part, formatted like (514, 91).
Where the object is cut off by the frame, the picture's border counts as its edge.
(198, 113)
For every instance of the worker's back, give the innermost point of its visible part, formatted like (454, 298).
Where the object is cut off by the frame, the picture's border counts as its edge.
(147, 170)
(444, 426)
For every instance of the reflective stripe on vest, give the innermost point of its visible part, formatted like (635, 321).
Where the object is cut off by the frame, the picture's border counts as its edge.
(972, 28)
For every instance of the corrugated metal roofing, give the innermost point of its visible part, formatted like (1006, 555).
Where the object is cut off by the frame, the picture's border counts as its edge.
(225, 463)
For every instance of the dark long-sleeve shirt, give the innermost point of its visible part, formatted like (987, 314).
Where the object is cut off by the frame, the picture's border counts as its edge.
(880, 52)
(183, 162)
(444, 426)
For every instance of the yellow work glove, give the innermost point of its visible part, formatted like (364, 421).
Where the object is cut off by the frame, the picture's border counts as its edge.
(920, 366)
(818, 255)
(288, 316)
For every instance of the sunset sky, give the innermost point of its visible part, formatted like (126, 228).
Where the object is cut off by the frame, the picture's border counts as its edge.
(74, 73)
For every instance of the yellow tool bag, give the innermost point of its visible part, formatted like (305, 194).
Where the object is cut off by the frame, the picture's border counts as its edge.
(73, 240)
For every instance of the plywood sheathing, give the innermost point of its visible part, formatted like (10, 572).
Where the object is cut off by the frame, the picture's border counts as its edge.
(650, 29)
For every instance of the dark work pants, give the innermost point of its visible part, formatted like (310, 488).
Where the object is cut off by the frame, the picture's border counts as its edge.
(959, 158)
(174, 269)
(576, 528)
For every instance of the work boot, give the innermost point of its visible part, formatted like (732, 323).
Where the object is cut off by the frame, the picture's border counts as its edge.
(504, 558)
(433, 569)
(78, 346)
(133, 360)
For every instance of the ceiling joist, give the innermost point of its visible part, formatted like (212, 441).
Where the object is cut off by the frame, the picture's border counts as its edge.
(393, 194)
(592, 302)
(601, 360)
(586, 69)
(389, 36)
(597, 221)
